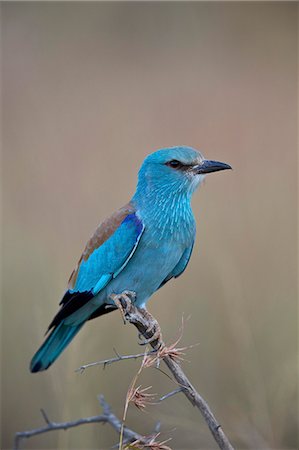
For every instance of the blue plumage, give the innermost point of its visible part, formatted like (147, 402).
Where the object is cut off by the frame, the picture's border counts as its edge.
(139, 248)
(107, 261)
(59, 338)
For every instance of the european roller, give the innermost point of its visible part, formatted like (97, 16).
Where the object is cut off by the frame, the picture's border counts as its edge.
(139, 248)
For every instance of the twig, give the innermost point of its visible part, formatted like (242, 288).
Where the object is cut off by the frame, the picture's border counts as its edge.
(107, 362)
(171, 394)
(106, 417)
(143, 323)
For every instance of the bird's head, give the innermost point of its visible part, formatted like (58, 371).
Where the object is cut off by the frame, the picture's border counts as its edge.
(176, 169)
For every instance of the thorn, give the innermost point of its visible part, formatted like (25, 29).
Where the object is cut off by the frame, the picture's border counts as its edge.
(46, 418)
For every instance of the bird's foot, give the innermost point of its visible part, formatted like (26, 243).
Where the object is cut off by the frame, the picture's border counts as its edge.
(153, 329)
(147, 325)
(122, 301)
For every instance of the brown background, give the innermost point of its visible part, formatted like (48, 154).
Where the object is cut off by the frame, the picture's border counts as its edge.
(88, 91)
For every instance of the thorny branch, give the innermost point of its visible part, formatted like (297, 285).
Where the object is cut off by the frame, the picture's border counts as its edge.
(171, 358)
(107, 362)
(129, 435)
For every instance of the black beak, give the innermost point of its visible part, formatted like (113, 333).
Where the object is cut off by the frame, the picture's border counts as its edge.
(210, 166)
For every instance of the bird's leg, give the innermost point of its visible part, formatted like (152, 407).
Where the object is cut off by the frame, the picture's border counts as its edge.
(122, 300)
(153, 328)
(140, 317)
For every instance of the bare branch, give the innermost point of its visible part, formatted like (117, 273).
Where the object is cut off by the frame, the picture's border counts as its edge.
(144, 324)
(107, 362)
(106, 417)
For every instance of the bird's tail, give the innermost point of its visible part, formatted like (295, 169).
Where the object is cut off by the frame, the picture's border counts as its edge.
(55, 343)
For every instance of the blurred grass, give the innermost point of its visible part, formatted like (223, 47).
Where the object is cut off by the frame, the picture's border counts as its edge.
(88, 91)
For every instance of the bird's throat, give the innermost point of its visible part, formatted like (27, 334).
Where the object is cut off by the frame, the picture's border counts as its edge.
(167, 214)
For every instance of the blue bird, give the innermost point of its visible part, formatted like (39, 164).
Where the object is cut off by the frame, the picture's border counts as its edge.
(139, 248)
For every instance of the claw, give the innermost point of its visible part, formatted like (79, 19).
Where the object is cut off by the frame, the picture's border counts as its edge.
(155, 337)
(140, 336)
(126, 297)
(120, 307)
(130, 295)
(123, 302)
(151, 327)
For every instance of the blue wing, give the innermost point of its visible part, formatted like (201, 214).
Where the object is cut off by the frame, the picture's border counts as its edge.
(107, 261)
(100, 264)
(181, 265)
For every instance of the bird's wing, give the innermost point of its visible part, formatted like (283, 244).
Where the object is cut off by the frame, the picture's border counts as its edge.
(181, 265)
(105, 256)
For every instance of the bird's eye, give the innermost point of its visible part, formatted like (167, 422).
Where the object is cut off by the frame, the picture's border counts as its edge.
(174, 164)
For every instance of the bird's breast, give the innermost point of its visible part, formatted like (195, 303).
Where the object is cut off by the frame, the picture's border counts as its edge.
(171, 222)
(147, 269)
(168, 232)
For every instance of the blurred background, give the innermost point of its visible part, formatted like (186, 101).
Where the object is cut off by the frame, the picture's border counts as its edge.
(89, 89)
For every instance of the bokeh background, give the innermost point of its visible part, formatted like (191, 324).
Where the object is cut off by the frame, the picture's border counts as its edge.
(88, 90)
